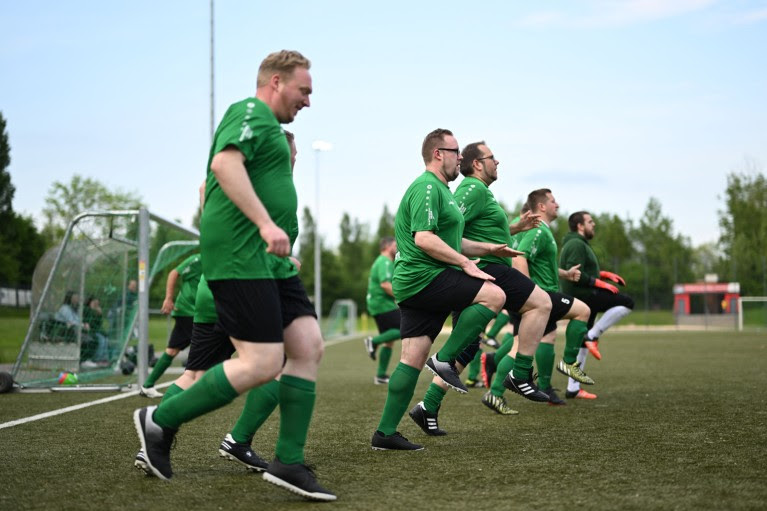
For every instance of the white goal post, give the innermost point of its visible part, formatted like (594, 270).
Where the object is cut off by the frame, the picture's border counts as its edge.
(742, 299)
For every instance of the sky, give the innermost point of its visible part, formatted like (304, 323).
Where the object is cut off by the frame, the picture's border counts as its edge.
(608, 103)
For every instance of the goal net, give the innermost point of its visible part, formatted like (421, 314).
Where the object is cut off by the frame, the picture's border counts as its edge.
(752, 313)
(85, 296)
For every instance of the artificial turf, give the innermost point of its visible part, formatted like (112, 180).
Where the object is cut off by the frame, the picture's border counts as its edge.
(679, 424)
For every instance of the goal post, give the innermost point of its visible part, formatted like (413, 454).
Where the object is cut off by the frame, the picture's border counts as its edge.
(752, 317)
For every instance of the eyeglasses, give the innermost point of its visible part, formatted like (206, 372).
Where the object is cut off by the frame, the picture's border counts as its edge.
(491, 157)
(456, 151)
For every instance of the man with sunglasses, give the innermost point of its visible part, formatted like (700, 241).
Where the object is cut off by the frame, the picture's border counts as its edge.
(434, 275)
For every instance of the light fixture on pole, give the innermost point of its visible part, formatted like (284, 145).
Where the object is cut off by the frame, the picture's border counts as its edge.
(318, 146)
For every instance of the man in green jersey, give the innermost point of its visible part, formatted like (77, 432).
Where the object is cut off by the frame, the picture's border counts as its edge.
(383, 308)
(433, 275)
(599, 295)
(182, 310)
(487, 222)
(540, 263)
(247, 229)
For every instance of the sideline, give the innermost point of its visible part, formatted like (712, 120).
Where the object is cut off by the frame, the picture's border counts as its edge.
(131, 393)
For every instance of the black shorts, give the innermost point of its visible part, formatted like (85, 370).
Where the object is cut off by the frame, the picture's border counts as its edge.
(560, 306)
(181, 336)
(425, 312)
(601, 300)
(210, 346)
(517, 287)
(388, 321)
(258, 310)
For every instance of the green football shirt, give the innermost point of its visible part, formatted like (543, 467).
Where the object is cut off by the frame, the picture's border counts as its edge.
(189, 272)
(378, 300)
(540, 250)
(230, 243)
(486, 221)
(205, 307)
(427, 205)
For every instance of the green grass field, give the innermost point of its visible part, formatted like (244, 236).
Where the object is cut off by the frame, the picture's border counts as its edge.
(679, 424)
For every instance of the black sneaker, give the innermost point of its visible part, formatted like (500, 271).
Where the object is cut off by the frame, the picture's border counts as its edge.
(446, 371)
(370, 347)
(156, 442)
(487, 364)
(426, 420)
(393, 442)
(242, 453)
(554, 399)
(525, 388)
(298, 478)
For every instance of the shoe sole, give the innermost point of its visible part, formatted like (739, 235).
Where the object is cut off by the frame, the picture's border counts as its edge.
(141, 465)
(223, 454)
(269, 478)
(514, 412)
(140, 431)
(390, 449)
(457, 389)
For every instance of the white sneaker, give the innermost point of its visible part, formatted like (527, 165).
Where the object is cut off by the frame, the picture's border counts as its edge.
(88, 364)
(150, 392)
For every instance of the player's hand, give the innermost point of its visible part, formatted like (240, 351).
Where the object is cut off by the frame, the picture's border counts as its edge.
(574, 273)
(612, 276)
(277, 242)
(528, 220)
(296, 263)
(167, 306)
(504, 251)
(604, 285)
(470, 268)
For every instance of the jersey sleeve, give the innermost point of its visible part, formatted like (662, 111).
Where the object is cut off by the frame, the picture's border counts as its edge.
(186, 263)
(238, 130)
(472, 203)
(384, 272)
(424, 203)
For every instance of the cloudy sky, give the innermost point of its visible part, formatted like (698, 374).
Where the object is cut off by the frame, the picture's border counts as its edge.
(608, 103)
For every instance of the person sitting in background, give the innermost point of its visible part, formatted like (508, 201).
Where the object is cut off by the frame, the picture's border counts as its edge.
(94, 318)
(68, 313)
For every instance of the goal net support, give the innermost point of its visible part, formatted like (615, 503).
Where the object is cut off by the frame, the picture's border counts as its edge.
(752, 313)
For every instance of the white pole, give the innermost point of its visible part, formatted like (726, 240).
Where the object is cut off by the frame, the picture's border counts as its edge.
(318, 146)
(212, 105)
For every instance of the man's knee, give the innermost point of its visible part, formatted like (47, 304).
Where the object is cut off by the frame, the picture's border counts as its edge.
(539, 300)
(580, 311)
(491, 296)
(171, 352)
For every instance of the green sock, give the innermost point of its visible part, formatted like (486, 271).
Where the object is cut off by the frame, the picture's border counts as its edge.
(401, 388)
(173, 390)
(574, 339)
(390, 335)
(474, 319)
(523, 366)
(159, 368)
(259, 405)
(475, 365)
(501, 320)
(504, 368)
(506, 344)
(433, 398)
(544, 359)
(210, 392)
(384, 356)
(297, 397)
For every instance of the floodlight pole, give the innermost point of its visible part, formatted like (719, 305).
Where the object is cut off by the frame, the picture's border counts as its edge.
(212, 103)
(143, 294)
(318, 146)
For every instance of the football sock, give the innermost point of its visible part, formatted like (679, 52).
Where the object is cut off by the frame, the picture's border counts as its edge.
(297, 397)
(608, 319)
(572, 385)
(401, 388)
(384, 356)
(504, 368)
(433, 398)
(474, 319)
(210, 392)
(501, 320)
(390, 335)
(523, 366)
(506, 345)
(574, 339)
(544, 359)
(173, 390)
(159, 368)
(475, 365)
(259, 405)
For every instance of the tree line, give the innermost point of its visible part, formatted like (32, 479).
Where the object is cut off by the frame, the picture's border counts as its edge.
(648, 252)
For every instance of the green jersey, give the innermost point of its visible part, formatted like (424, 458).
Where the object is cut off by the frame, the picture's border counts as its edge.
(540, 250)
(230, 243)
(205, 307)
(378, 300)
(427, 205)
(486, 221)
(189, 272)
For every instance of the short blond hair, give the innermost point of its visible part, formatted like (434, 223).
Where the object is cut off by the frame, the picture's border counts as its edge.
(282, 62)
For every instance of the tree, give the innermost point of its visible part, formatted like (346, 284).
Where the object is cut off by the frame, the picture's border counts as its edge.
(66, 200)
(7, 189)
(611, 242)
(744, 228)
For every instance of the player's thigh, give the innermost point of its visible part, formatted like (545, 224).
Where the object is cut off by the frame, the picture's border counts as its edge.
(415, 351)
(303, 339)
